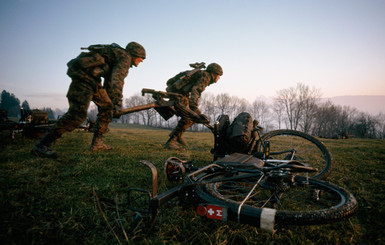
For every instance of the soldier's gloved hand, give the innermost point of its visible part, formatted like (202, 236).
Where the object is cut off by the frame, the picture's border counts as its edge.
(204, 118)
(117, 109)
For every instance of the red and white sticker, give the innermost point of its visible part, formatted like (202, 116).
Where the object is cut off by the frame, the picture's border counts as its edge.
(213, 212)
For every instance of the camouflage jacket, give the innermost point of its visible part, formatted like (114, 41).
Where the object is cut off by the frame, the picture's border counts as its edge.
(113, 66)
(197, 84)
(119, 62)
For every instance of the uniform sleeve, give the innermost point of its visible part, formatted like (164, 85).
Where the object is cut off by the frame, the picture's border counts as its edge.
(199, 86)
(119, 72)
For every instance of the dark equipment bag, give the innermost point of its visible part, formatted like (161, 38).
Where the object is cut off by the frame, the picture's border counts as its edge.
(239, 133)
(233, 137)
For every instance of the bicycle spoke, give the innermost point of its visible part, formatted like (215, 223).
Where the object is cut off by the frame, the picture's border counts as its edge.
(294, 145)
(296, 198)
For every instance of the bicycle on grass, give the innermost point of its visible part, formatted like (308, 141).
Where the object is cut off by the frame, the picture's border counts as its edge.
(276, 146)
(280, 145)
(276, 183)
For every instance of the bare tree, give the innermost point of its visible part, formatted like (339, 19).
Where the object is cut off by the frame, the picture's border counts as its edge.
(380, 127)
(287, 99)
(223, 102)
(207, 106)
(345, 117)
(238, 105)
(365, 126)
(308, 100)
(333, 121)
(278, 110)
(135, 100)
(325, 120)
(149, 115)
(299, 105)
(260, 111)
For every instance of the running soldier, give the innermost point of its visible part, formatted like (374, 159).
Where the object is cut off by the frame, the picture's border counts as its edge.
(191, 90)
(110, 62)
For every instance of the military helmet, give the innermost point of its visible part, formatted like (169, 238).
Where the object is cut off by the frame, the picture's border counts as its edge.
(137, 50)
(215, 68)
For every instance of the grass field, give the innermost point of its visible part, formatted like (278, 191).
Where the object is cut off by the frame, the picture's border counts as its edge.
(46, 201)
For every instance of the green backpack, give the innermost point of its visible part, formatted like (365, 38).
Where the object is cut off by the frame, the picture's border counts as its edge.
(182, 79)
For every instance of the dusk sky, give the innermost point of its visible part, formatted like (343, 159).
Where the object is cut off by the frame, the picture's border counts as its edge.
(336, 46)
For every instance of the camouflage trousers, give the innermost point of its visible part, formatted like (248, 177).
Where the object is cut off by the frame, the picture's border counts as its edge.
(79, 95)
(184, 123)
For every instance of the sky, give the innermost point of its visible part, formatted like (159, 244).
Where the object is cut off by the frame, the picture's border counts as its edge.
(263, 46)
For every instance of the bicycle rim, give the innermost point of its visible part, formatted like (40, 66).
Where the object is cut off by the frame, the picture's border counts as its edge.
(309, 150)
(307, 202)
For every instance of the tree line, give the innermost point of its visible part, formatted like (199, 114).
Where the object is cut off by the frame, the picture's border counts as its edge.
(298, 108)
(10, 103)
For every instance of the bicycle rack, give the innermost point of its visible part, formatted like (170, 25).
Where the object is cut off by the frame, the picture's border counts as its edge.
(154, 173)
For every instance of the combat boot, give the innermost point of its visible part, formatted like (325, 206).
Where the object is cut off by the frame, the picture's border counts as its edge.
(41, 149)
(171, 143)
(97, 143)
(181, 140)
(179, 132)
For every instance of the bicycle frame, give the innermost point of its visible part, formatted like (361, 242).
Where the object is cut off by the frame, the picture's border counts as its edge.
(192, 180)
(257, 178)
(156, 200)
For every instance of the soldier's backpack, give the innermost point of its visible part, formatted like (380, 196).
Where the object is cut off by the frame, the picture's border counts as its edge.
(89, 60)
(94, 58)
(182, 79)
(176, 83)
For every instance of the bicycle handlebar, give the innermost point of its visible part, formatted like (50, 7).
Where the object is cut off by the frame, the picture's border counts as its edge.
(293, 165)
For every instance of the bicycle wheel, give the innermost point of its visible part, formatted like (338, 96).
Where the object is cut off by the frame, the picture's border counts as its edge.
(306, 202)
(308, 150)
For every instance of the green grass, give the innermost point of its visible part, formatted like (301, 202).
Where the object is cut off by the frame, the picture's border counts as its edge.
(46, 201)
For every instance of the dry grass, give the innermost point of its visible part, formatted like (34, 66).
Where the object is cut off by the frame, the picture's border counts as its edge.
(47, 201)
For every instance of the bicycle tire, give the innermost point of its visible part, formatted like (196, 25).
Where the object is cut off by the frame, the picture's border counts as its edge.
(333, 205)
(309, 150)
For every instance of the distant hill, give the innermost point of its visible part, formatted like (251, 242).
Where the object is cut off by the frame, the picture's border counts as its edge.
(371, 104)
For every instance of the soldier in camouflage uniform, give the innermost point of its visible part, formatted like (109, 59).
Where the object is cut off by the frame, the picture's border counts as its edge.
(192, 92)
(110, 62)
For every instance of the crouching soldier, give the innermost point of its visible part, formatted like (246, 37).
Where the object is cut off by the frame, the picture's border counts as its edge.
(191, 87)
(110, 62)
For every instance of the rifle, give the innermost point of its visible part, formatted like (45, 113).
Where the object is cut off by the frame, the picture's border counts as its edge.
(160, 105)
(101, 46)
(160, 94)
(197, 66)
(166, 108)
(133, 109)
(181, 109)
